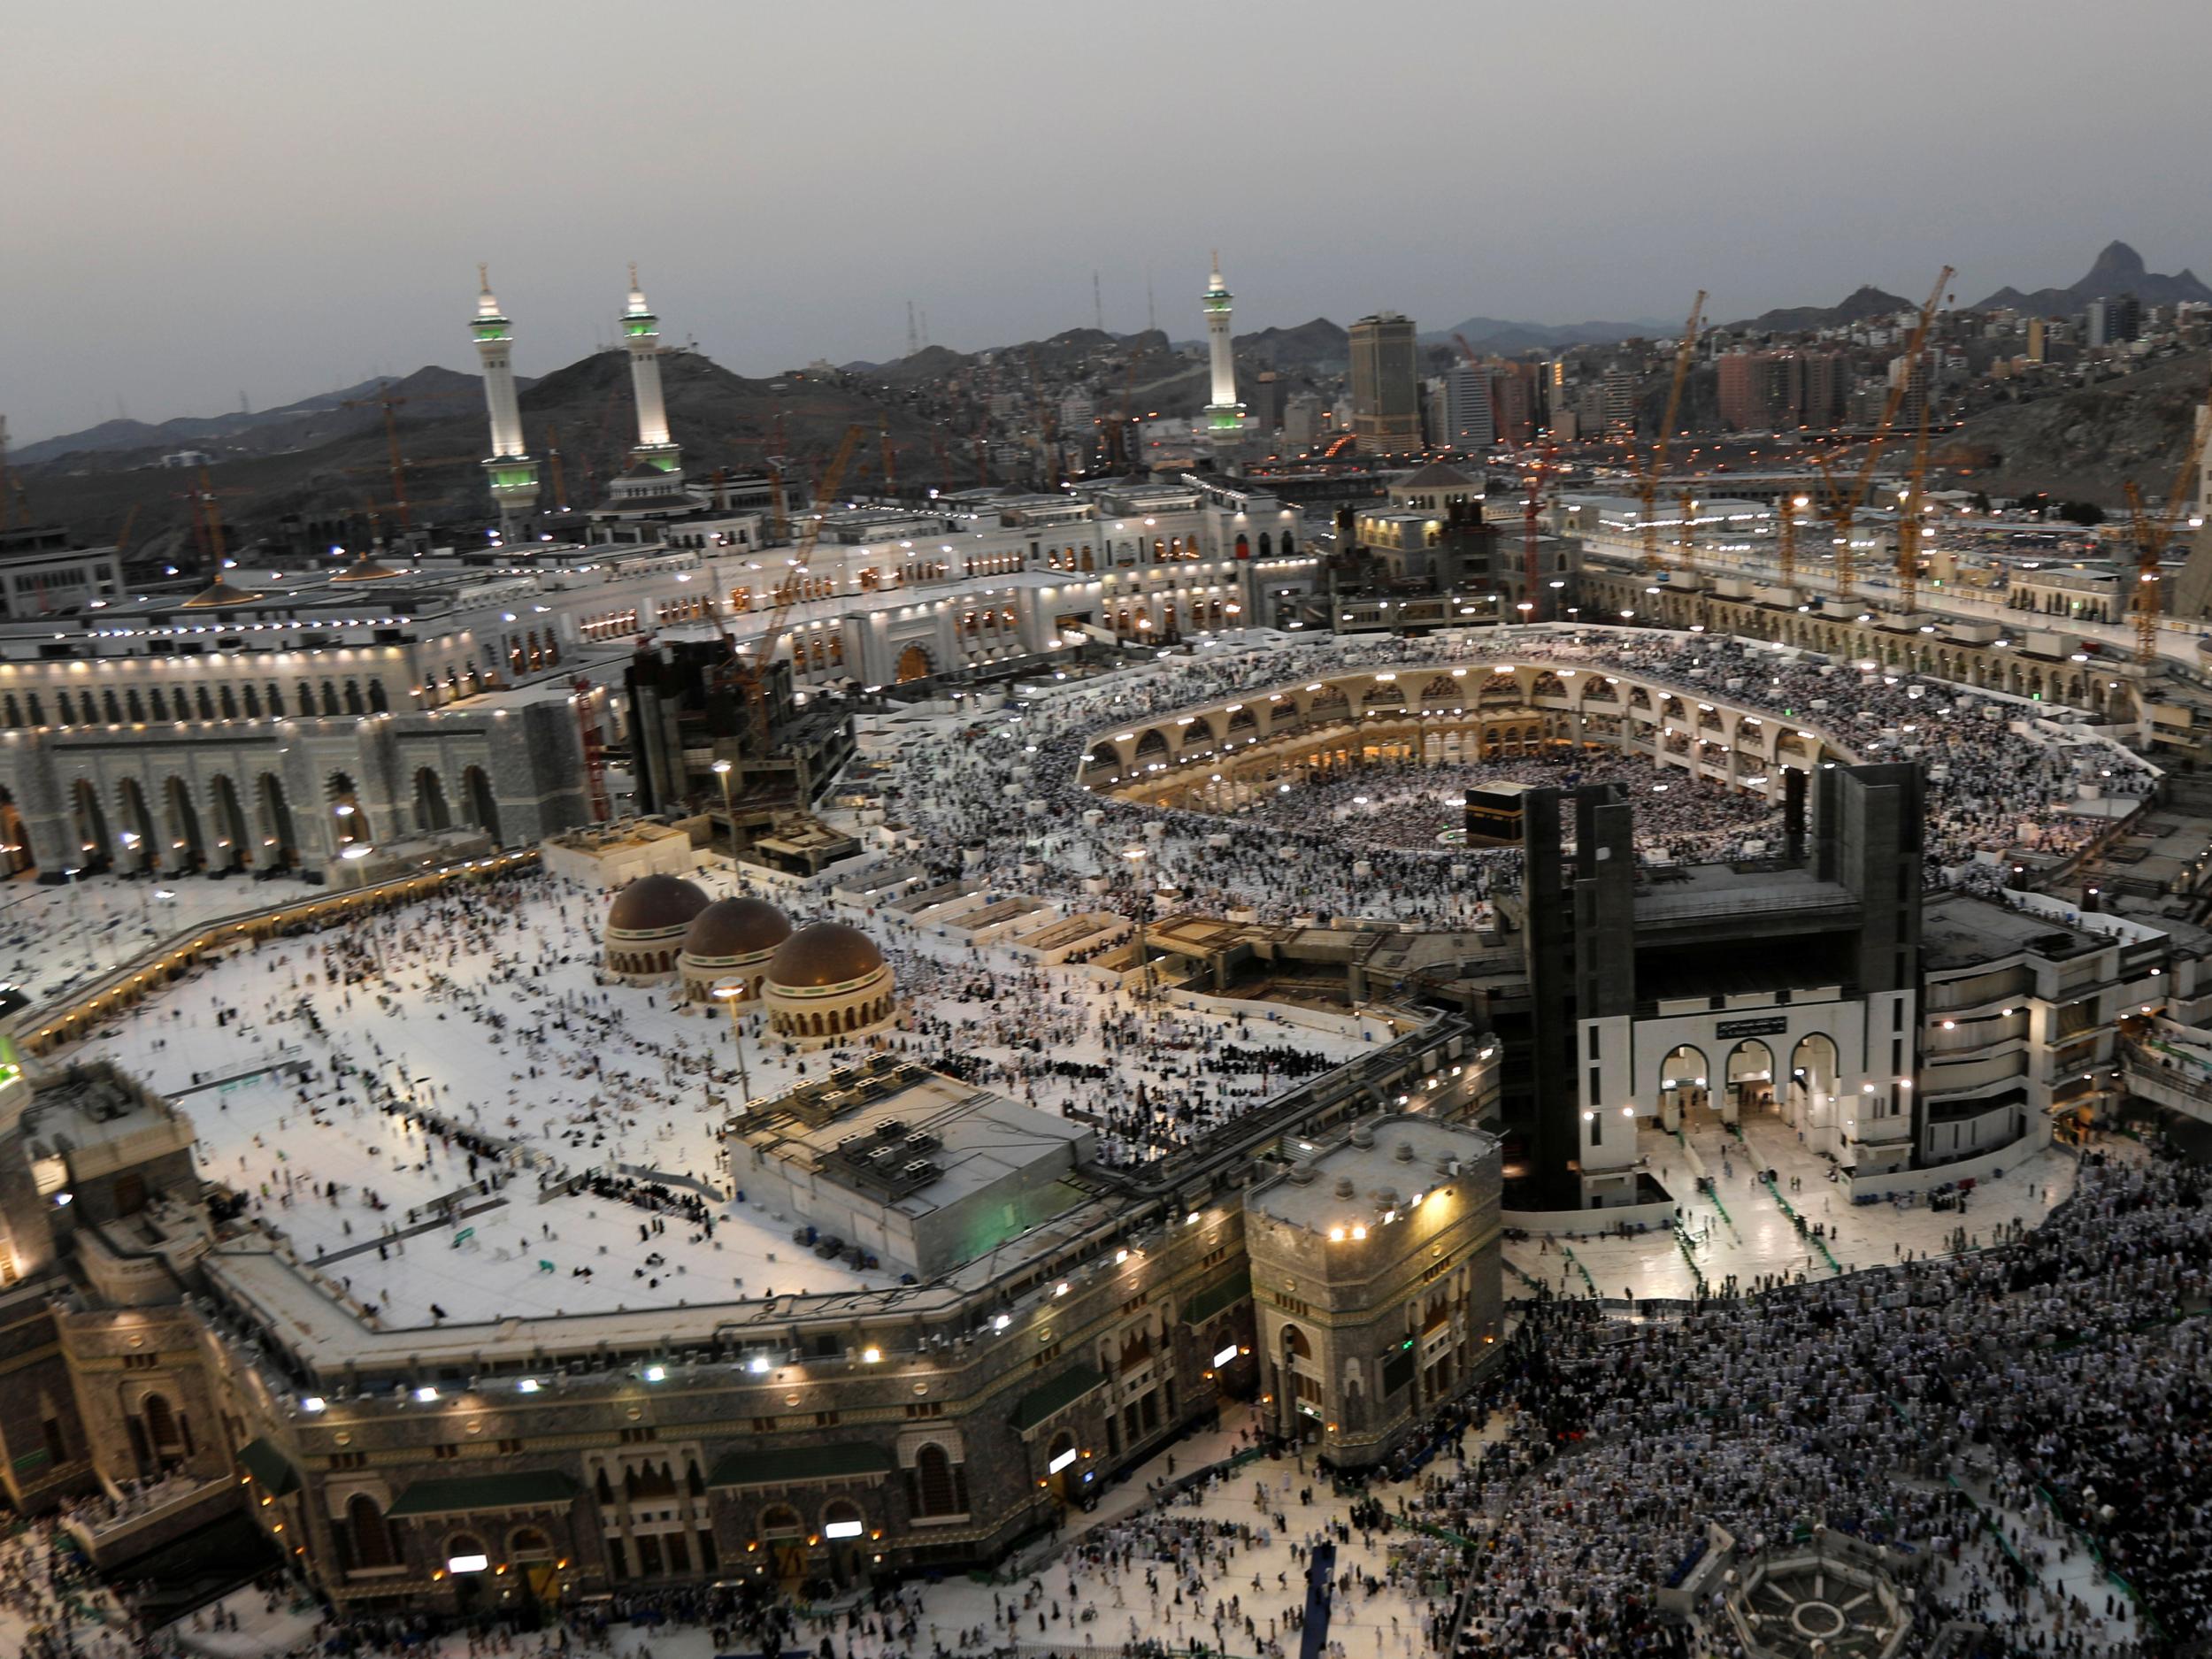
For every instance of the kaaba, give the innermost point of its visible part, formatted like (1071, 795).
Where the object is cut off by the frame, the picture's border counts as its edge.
(1494, 815)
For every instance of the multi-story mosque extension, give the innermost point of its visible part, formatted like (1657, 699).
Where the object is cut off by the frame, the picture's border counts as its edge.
(1331, 1255)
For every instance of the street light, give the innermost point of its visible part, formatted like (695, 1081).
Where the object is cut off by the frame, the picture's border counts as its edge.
(728, 997)
(1135, 856)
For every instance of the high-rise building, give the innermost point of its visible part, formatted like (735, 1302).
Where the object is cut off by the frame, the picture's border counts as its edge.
(642, 331)
(1513, 402)
(1265, 406)
(1468, 425)
(2115, 320)
(1620, 400)
(2037, 347)
(1386, 384)
(512, 473)
(1827, 384)
(1762, 391)
(1302, 422)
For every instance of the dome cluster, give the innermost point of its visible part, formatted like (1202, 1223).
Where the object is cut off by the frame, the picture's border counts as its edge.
(821, 984)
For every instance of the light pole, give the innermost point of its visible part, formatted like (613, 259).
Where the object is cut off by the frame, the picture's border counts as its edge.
(728, 996)
(1135, 855)
(729, 812)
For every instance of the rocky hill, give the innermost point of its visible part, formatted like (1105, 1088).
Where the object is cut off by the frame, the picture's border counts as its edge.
(2087, 443)
(1498, 337)
(1317, 346)
(583, 411)
(2119, 270)
(1862, 302)
(309, 420)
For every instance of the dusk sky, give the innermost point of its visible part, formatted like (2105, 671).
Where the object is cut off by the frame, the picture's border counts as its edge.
(281, 199)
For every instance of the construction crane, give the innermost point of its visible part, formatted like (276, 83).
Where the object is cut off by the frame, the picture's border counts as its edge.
(2151, 536)
(1048, 427)
(1647, 485)
(1789, 504)
(747, 676)
(1912, 503)
(553, 460)
(123, 535)
(1843, 508)
(595, 748)
(392, 436)
(1532, 585)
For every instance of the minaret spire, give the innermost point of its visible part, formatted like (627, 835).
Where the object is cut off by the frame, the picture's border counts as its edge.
(641, 331)
(512, 473)
(1223, 419)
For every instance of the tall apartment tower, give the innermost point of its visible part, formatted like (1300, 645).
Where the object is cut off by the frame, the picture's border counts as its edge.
(513, 475)
(1386, 384)
(1467, 425)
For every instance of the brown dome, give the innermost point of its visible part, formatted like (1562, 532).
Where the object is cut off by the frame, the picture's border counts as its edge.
(828, 953)
(655, 903)
(736, 927)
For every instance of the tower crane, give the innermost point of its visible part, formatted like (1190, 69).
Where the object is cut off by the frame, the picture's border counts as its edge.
(1911, 506)
(1843, 507)
(2151, 536)
(747, 675)
(1531, 585)
(1647, 485)
(385, 401)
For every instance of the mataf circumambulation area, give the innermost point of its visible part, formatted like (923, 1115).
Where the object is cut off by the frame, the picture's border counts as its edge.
(1161, 1082)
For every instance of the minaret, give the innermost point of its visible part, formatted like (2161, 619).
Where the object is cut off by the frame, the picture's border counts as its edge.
(642, 330)
(513, 474)
(1224, 416)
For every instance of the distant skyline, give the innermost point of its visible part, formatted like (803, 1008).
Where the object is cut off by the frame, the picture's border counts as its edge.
(283, 200)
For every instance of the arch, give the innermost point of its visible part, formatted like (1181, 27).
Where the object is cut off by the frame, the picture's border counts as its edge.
(276, 818)
(185, 840)
(231, 843)
(365, 1529)
(94, 849)
(1812, 1080)
(1151, 747)
(940, 1487)
(205, 703)
(431, 812)
(15, 840)
(345, 807)
(528, 1543)
(1297, 1343)
(160, 1420)
(458, 1544)
(379, 703)
(840, 1510)
(479, 805)
(136, 836)
(780, 1520)
(1748, 1073)
(1684, 1079)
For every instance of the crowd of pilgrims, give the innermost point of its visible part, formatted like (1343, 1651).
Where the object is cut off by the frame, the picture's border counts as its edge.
(370, 1152)
(1990, 1418)
(1409, 805)
(1991, 787)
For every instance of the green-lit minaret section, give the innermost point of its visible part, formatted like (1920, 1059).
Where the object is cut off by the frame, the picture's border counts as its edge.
(1224, 416)
(510, 469)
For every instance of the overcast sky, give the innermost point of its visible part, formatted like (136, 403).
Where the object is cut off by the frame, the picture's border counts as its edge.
(279, 199)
